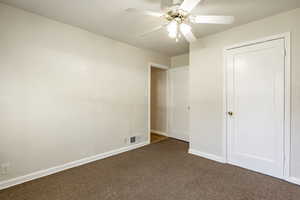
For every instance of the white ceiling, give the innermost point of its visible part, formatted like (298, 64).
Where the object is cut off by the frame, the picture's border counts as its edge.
(108, 18)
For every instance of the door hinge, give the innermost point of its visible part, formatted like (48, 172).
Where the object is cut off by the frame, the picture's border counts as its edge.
(284, 52)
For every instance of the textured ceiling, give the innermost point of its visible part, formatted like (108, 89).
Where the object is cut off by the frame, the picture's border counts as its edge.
(108, 18)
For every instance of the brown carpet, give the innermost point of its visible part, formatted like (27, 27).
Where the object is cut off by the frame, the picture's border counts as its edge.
(161, 171)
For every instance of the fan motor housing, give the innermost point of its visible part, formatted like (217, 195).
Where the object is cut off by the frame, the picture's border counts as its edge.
(177, 15)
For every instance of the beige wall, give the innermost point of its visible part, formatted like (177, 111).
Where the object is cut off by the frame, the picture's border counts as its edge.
(180, 61)
(206, 86)
(65, 93)
(159, 100)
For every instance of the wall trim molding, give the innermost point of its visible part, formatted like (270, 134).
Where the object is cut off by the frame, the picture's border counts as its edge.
(293, 180)
(207, 156)
(160, 66)
(159, 132)
(219, 159)
(182, 137)
(53, 170)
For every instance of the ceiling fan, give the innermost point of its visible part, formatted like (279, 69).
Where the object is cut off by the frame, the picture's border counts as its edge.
(178, 17)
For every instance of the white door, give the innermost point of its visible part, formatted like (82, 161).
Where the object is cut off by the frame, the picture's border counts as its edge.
(178, 103)
(255, 96)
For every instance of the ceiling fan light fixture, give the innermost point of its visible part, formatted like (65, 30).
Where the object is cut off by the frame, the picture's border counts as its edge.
(185, 28)
(172, 29)
(172, 35)
(178, 17)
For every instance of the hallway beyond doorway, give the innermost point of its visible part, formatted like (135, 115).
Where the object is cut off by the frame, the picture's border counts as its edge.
(157, 138)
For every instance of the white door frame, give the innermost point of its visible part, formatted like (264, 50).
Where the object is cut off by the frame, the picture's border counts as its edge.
(159, 66)
(287, 104)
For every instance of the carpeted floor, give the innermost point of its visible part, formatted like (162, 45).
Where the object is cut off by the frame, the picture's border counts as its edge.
(160, 171)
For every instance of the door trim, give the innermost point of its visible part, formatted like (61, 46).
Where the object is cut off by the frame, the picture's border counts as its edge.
(287, 98)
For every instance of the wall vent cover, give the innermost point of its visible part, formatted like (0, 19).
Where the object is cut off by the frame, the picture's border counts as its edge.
(132, 139)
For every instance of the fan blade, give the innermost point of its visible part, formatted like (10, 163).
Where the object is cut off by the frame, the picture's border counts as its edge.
(189, 5)
(212, 19)
(167, 4)
(188, 34)
(153, 30)
(145, 12)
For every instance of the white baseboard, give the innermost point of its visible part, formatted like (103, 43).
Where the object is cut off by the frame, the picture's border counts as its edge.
(293, 180)
(222, 160)
(180, 137)
(207, 156)
(46, 172)
(159, 132)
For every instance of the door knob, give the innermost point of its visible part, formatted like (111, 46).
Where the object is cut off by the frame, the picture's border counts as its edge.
(230, 113)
